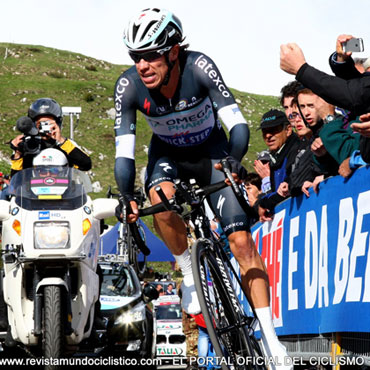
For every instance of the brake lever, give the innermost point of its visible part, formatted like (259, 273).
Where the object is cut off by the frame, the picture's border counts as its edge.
(226, 169)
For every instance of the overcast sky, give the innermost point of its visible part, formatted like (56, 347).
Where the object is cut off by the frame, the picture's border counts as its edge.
(243, 37)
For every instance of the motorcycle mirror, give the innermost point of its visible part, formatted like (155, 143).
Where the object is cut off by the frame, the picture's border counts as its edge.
(104, 208)
(4, 210)
(150, 293)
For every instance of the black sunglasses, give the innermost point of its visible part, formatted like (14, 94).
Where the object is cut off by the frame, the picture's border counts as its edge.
(149, 56)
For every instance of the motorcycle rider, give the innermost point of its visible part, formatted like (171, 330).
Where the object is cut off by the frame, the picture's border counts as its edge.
(181, 94)
(44, 112)
(46, 115)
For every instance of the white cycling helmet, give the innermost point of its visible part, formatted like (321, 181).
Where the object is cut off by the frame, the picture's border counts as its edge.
(153, 29)
(50, 157)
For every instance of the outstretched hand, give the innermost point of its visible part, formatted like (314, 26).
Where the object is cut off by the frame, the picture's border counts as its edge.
(291, 58)
(342, 56)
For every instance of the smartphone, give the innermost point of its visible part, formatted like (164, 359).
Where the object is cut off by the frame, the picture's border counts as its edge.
(355, 45)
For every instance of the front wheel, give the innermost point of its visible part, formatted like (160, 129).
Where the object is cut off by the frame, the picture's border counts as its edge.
(228, 326)
(135, 257)
(53, 327)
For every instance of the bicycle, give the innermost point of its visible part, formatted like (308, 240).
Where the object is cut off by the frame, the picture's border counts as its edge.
(131, 242)
(230, 328)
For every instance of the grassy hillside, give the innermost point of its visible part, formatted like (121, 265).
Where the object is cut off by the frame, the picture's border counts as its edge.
(30, 72)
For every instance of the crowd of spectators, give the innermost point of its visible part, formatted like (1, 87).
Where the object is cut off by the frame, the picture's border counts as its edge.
(323, 131)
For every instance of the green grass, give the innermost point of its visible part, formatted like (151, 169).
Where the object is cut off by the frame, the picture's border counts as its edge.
(30, 72)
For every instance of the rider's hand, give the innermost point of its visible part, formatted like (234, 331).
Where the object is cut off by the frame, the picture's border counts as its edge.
(130, 217)
(133, 217)
(238, 172)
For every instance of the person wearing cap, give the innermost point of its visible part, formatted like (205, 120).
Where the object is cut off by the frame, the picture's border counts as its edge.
(283, 145)
(45, 116)
(181, 94)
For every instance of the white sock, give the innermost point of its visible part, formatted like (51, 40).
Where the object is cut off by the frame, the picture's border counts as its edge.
(271, 343)
(184, 262)
(189, 300)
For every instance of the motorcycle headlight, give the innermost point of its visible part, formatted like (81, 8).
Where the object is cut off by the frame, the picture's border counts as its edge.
(51, 235)
(137, 314)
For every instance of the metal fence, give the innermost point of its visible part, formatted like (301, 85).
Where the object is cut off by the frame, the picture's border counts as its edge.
(307, 346)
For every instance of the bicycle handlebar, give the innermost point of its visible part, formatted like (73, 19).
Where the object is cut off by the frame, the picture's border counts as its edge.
(184, 194)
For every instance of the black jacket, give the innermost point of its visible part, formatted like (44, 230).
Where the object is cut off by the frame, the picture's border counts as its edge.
(353, 94)
(280, 169)
(350, 90)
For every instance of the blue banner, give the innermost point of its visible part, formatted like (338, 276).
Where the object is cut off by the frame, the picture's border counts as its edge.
(316, 251)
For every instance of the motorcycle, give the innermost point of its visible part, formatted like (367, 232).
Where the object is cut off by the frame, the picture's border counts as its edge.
(50, 241)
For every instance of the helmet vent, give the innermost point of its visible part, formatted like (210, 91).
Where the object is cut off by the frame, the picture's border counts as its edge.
(134, 31)
(148, 27)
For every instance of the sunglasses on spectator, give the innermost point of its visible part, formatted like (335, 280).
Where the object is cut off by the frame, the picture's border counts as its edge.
(293, 115)
(150, 56)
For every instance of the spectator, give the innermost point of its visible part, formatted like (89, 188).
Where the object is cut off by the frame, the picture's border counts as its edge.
(262, 168)
(362, 64)
(160, 289)
(2, 183)
(252, 184)
(283, 144)
(206, 353)
(169, 290)
(288, 94)
(303, 166)
(351, 93)
(333, 142)
(358, 157)
(343, 65)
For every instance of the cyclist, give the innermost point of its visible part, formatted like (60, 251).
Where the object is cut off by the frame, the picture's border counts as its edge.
(46, 132)
(181, 94)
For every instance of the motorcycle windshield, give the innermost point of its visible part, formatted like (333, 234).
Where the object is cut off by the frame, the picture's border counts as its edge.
(50, 187)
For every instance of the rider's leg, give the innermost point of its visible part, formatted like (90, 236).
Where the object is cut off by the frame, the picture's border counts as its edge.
(255, 283)
(172, 230)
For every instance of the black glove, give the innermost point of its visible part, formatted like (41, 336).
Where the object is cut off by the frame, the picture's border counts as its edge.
(123, 200)
(236, 167)
(118, 212)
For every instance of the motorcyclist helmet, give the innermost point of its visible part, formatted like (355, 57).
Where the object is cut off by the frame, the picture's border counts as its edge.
(50, 162)
(46, 107)
(153, 29)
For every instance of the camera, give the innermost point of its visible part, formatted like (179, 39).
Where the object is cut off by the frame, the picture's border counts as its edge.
(45, 127)
(354, 45)
(31, 142)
